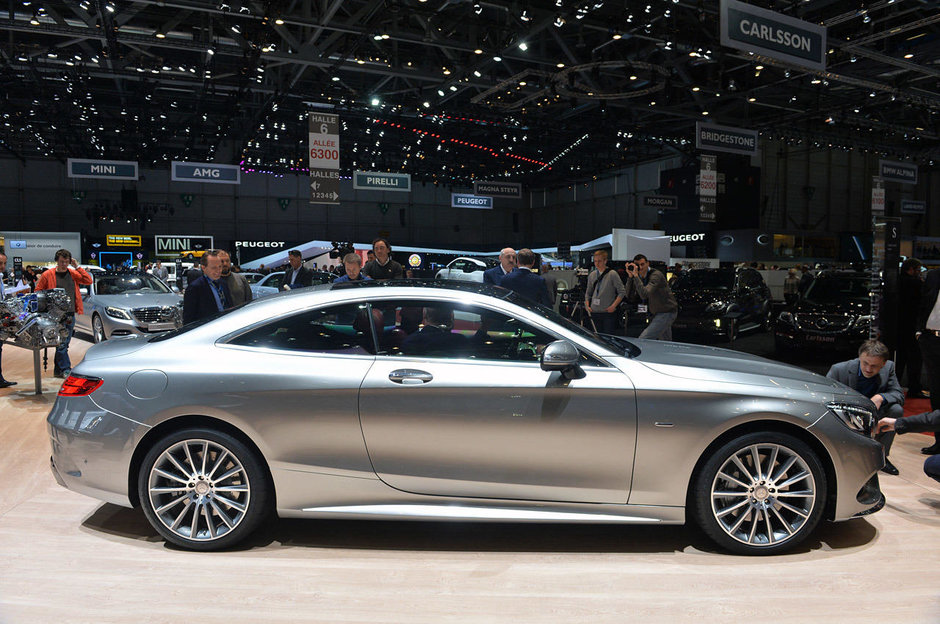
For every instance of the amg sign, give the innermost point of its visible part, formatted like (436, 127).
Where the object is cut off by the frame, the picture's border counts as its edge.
(173, 246)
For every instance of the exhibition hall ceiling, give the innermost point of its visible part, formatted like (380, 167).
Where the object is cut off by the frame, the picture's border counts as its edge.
(543, 92)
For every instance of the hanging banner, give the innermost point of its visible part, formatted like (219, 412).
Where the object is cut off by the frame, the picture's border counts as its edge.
(107, 169)
(708, 188)
(324, 158)
(663, 202)
(498, 189)
(891, 171)
(877, 196)
(205, 172)
(771, 34)
(910, 206)
(715, 138)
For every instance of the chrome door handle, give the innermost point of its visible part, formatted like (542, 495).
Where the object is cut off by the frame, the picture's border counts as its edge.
(410, 376)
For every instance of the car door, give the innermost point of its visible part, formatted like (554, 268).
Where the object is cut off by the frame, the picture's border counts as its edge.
(457, 405)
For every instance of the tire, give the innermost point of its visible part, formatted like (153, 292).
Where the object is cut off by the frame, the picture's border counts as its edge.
(97, 329)
(191, 510)
(764, 511)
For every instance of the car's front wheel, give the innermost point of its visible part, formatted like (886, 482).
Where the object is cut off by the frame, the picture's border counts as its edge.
(760, 494)
(203, 489)
(97, 329)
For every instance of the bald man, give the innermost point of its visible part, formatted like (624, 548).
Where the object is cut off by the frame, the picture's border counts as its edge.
(507, 262)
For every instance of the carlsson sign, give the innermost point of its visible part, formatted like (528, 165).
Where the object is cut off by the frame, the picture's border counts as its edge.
(771, 34)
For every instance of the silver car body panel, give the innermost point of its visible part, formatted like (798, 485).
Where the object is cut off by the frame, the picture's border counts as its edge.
(500, 440)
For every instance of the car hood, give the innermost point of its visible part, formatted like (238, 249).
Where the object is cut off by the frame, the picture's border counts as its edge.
(704, 296)
(724, 366)
(138, 300)
(115, 347)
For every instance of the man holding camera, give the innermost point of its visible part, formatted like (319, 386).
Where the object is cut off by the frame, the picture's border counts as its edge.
(648, 288)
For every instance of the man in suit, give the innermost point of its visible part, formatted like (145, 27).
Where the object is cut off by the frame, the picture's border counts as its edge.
(507, 262)
(208, 294)
(551, 281)
(523, 281)
(872, 374)
(297, 276)
(928, 339)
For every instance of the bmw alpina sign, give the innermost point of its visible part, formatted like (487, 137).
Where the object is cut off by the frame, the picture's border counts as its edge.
(781, 37)
(206, 172)
(462, 200)
(107, 169)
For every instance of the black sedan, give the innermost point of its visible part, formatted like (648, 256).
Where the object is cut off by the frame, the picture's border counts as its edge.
(834, 313)
(721, 301)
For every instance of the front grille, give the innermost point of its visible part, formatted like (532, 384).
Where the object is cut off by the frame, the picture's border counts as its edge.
(824, 323)
(156, 314)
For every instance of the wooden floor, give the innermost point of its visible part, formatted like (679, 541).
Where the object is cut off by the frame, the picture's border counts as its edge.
(68, 558)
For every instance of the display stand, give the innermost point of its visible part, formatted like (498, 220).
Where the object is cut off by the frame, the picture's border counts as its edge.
(37, 368)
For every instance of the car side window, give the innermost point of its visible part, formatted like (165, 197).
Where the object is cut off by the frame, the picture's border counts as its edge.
(441, 329)
(342, 329)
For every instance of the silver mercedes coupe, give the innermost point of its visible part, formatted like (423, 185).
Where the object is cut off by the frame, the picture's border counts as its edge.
(455, 401)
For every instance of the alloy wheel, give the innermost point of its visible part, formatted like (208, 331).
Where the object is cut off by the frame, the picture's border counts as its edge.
(97, 329)
(199, 490)
(763, 494)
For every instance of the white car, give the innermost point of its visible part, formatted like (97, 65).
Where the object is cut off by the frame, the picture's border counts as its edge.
(465, 269)
(267, 285)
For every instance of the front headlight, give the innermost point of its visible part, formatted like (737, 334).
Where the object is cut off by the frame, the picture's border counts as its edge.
(855, 418)
(716, 306)
(786, 318)
(117, 313)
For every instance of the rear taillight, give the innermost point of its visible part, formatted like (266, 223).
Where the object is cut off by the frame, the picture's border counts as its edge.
(76, 385)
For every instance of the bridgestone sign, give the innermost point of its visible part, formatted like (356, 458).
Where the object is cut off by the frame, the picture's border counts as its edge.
(771, 34)
(715, 138)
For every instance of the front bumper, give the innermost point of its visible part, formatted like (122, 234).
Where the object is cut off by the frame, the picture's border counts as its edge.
(796, 338)
(123, 327)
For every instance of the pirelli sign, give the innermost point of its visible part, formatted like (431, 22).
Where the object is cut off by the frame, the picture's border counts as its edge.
(771, 34)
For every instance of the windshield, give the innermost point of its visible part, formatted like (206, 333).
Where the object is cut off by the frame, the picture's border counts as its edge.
(711, 279)
(615, 343)
(270, 280)
(252, 278)
(129, 284)
(838, 289)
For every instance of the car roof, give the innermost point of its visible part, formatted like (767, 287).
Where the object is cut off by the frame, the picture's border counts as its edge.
(426, 283)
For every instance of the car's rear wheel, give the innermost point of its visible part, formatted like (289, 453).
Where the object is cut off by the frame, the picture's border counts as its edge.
(203, 489)
(760, 494)
(97, 329)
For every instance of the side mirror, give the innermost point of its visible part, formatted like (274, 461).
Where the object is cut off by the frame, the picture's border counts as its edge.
(560, 355)
(175, 289)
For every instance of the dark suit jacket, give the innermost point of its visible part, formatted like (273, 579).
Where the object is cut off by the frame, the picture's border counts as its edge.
(888, 386)
(527, 284)
(929, 297)
(919, 423)
(199, 302)
(494, 276)
(304, 277)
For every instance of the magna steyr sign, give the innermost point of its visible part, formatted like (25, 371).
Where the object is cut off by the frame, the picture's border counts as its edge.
(205, 172)
(771, 34)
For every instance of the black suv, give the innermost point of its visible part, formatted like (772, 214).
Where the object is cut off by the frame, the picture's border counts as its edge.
(834, 313)
(719, 301)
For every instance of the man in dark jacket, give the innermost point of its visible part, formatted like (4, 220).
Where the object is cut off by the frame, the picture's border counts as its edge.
(919, 423)
(208, 294)
(928, 339)
(507, 262)
(872, 374)
(297, 276)
(523, 281)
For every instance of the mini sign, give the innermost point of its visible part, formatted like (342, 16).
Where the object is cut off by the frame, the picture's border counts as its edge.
(205, 172)
(771, 34)
(377, 181)
(897, 171)
(715, 138)
(462, 200)
(498, 189)
(170, 246)
(909, 206)
(663, 202)
(108, 169)
(124, 240)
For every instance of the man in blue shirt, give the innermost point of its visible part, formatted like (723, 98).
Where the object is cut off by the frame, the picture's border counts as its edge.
(872, 374)
(208, 294)
(353, 264)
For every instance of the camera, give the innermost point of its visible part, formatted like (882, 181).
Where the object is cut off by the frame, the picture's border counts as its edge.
(631, 267)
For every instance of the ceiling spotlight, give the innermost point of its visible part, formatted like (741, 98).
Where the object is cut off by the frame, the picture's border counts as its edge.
(559, 3)
(752, 99)
(477, 8)
(559, 65)
(375, 101)
(616, 35)
(236, 29)
(497, 58)
(335, 79)
(210, 50)
(872, 94)
(34, 20)
(559, 21)
(478, 51)
(279, 21)
(477, 74)
(110, 7)
(426, 104)
(908, 56)
(440, 92)
(159, 35)
(453, 87)
(866, 19)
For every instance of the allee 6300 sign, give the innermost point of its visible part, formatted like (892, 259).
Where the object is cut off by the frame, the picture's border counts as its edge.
(324, 158)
